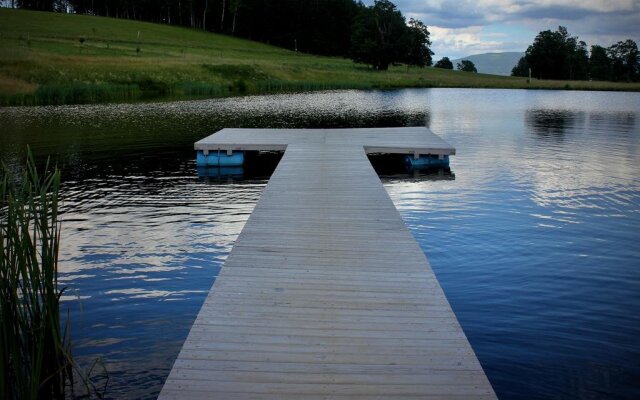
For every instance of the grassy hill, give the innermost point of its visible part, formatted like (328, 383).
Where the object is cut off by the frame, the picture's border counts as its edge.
(493, 63)
(48, 58)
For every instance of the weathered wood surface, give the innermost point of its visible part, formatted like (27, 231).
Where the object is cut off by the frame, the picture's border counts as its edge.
(410, 140)
(325, 295)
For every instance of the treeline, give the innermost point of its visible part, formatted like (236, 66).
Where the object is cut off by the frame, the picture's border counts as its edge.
(314, 26)
(558, 55)
(325, 27)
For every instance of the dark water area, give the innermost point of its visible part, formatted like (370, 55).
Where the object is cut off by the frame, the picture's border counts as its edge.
(534, 232)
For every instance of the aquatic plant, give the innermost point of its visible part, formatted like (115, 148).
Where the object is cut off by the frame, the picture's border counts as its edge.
(73, 93)
(34, 348)
(202, 89)
(77, 93)
(307, 86)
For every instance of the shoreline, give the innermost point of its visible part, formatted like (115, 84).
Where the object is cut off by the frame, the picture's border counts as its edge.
(135, 96)
(55, 59)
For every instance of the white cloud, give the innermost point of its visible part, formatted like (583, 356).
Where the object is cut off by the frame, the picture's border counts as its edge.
(590, 5)
(467, 27)
(461, 42)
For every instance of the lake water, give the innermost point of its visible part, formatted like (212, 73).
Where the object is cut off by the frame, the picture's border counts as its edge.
(534, 236)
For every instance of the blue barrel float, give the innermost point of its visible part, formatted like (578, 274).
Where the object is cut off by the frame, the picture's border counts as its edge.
(426, 161)
(219, 158)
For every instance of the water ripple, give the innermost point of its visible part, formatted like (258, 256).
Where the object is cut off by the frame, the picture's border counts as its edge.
(533, 235)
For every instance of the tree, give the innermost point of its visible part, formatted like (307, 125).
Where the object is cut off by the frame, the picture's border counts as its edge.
(418, 52)
(224, 5)
(546, 55)
(204, 15)
(578, 62)
(467, 66)
(557, 55)
(379, 35)
(445, 63)
(235, 5)
(625, 61)
(599, 64)
(42, 5)
(521, 69)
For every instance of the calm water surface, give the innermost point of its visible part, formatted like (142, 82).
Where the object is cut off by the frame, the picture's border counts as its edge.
(535, 241)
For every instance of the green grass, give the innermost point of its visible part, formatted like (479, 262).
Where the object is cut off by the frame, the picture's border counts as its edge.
(43, 61)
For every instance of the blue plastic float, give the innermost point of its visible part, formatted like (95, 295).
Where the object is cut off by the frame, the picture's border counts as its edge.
(426, 161)
(220, 158)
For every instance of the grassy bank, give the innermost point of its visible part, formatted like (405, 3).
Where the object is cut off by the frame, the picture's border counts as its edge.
(48, 58)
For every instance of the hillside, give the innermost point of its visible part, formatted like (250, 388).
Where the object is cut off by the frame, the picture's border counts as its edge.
(493, 63)
(48, 58)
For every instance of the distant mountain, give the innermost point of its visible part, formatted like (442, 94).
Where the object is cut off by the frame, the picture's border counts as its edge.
(493, 63)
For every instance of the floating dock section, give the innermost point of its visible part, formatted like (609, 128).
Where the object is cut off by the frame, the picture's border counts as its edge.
(326, 294)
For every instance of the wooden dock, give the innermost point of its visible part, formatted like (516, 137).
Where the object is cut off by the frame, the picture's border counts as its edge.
(326, 294)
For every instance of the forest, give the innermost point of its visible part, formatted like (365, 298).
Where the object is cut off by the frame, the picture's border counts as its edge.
(324, 27)
(559, 55)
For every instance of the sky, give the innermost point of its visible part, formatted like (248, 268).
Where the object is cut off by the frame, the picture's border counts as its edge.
(466, 27)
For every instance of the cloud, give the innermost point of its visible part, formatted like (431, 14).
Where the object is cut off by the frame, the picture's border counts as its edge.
(465, 13)
(460, 42)
(470, 25)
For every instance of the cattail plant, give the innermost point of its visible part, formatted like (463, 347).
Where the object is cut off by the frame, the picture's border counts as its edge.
(35, 360)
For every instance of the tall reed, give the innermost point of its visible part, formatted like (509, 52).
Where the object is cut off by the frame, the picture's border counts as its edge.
(34, 348)
(74, 93)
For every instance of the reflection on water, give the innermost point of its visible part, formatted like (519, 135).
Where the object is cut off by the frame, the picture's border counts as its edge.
(87, 133)
(220, 173)
(532, 233)
(546, 122)
(142, 252)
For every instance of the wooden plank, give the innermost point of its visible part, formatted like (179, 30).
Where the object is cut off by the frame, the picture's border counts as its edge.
(326, 295)
(345, 370)
(271, 376)
(179, 394)
(302, 389)
(432, 342)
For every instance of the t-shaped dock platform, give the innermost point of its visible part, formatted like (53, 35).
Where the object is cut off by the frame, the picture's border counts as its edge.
(326, 295)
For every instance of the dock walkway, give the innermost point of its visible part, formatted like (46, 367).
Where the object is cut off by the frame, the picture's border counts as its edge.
(326, 294)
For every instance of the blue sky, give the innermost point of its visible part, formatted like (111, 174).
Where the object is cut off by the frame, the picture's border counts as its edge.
(466, 27)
